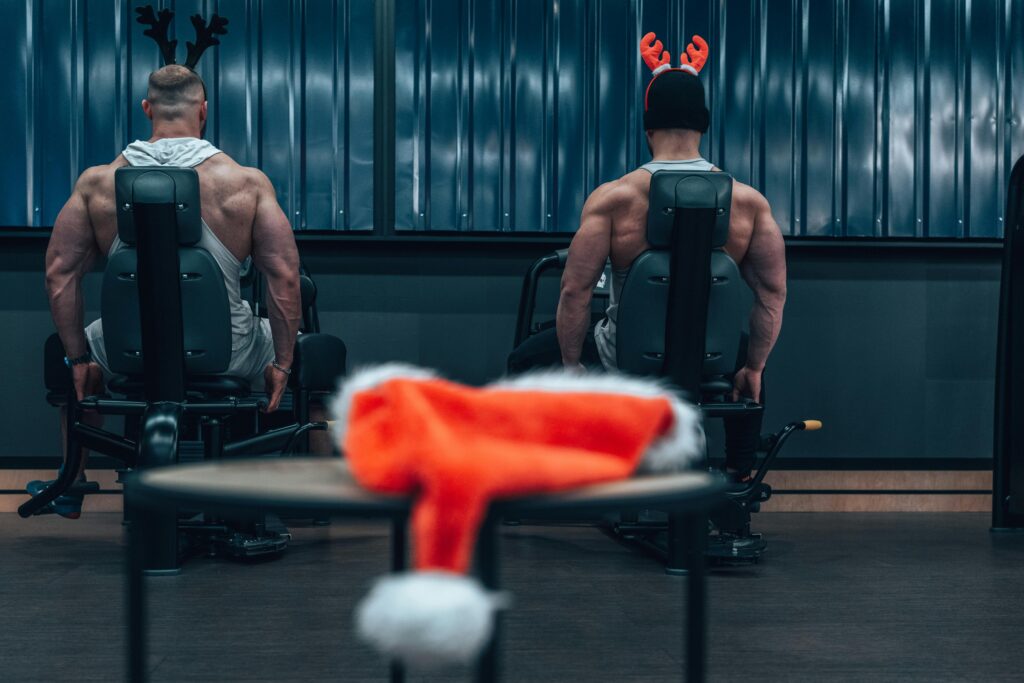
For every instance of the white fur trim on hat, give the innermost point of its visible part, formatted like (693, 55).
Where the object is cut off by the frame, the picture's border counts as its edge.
(687, 67)
(660, 69)
(682, 448)
(367, 378)
(428, 619)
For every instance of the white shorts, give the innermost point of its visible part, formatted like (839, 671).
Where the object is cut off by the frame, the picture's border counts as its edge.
(250, 355)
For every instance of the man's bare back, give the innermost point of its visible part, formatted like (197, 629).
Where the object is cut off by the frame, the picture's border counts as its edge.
(240, 207)
(628, 200)
(230, 195)
(613, 225)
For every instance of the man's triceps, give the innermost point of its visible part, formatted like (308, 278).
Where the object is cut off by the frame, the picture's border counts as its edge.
(764, 269)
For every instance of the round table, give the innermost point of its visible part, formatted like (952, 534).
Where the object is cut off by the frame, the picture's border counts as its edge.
(325, 485)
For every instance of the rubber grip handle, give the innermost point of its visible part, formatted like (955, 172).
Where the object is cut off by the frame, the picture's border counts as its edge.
(812, 425)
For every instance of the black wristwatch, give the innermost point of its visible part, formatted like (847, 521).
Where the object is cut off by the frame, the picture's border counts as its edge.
(81, 360)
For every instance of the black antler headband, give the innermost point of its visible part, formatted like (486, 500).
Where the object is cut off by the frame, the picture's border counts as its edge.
(206, 33)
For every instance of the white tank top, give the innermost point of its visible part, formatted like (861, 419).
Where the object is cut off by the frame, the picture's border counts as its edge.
(187, 153)
(604, 331)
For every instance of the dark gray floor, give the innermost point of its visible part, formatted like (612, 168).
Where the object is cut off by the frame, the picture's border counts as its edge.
(838, 597)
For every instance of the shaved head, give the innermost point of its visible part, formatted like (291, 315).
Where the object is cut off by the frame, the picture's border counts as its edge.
(175, 92)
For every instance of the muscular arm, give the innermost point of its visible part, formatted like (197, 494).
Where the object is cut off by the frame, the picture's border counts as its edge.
(276, 256)
(69, 256)
(764, 269)
(587, 255)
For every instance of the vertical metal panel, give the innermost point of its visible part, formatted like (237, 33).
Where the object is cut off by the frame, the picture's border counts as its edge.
(1013, 106)
(984, 38)
(901, 212)
(944, 179)
(290, 90)
(860, 118)
(854, 117)
(777, 122)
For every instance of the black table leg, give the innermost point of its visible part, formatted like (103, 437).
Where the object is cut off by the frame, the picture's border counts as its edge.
(398, 553)
(696, 601)
(487, 558)
(136, 604)
(678, 547)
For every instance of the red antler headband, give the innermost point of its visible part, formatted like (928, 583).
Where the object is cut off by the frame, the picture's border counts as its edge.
(659, 60)
(692, 60)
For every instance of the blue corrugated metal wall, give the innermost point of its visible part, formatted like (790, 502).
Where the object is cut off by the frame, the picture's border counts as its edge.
(855, 117)
(290, 87)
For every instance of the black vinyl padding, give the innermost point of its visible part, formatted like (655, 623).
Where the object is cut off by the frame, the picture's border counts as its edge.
(56, 375)
(204, 309)
(319, 362)
(153, 185)
(643, 304)
(215, 386)
(692, 190)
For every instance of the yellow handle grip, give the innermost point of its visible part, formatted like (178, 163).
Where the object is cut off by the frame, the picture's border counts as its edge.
(812, 425)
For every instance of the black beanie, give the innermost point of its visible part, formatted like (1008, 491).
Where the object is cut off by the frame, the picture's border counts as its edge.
(675, 99)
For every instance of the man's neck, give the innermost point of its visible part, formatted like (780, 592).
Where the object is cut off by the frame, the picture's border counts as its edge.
(173, 131)
(674, 153)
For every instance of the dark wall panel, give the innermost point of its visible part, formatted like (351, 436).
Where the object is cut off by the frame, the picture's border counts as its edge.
(290, 91)
(871, 118)
(855, 117)
(893, 350)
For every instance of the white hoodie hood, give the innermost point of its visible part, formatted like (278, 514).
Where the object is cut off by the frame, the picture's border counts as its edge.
(176, 152)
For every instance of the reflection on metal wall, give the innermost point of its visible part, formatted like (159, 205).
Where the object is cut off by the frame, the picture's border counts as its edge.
(855, 117)
(290, 88)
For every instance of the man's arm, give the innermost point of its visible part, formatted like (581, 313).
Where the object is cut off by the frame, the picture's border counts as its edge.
(587, 255)
(69, 256)
(764, 270)
(276, 256)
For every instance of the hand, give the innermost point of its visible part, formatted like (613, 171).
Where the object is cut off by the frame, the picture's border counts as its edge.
(275, 382)
(747, 384)
(87, 378)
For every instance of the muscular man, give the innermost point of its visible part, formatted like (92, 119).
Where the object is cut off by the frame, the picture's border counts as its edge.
(241, 217)
(614, 224)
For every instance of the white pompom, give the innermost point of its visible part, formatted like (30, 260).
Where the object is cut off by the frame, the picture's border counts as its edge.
(428, 619)
(682, 448)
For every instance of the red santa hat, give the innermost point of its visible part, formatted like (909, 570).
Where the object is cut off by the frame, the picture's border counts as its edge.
(406, 431)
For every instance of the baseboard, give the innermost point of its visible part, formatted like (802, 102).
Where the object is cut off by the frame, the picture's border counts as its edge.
(794, 491)
(884, 491)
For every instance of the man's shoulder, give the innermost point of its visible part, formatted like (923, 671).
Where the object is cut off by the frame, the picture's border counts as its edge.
(623, 191)
(98, 178)
(748, 196)
(225, 167)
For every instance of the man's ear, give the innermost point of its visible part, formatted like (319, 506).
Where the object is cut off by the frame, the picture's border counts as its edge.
(202, 114)
(147, 108)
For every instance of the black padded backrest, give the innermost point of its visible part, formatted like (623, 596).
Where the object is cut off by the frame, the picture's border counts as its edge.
(640, 329)
(206, 323)
(643, 304)
(151, 184)
(691, 189)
